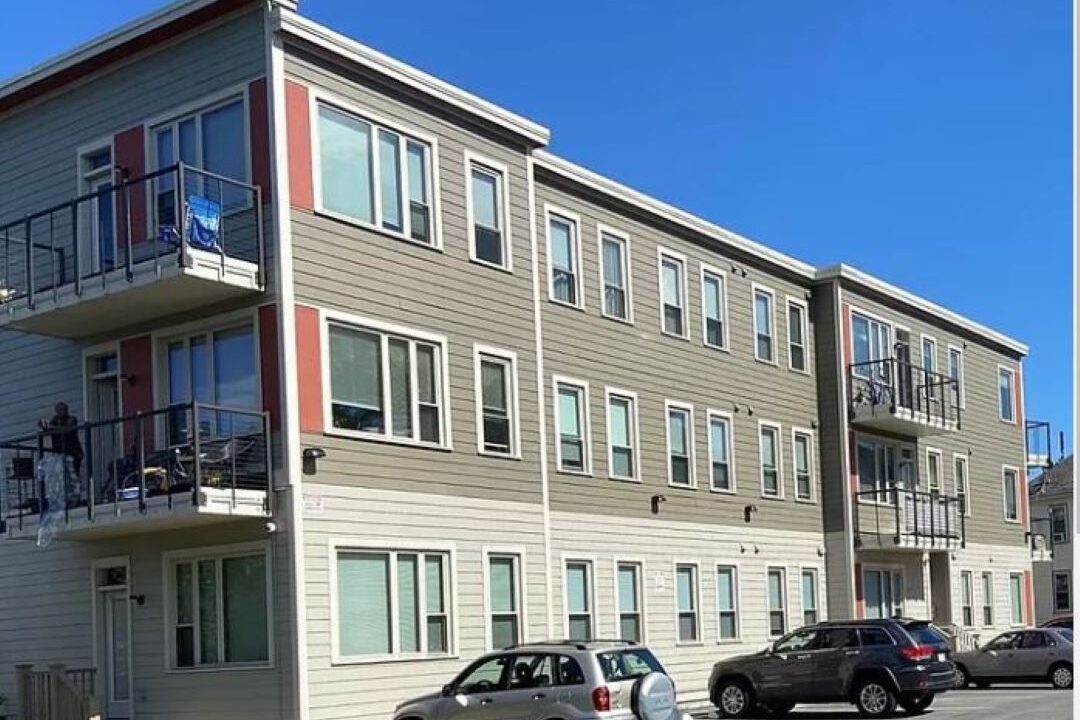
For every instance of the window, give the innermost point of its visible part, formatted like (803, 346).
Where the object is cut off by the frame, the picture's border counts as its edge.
(933, 471)
(929, 356)
(777, 602)
(960, 481)
(967, 610)
(615, 275)
(1006, 380)
(871, 344)
(680, 427)
(1011, 493)
(572, 425)
(622, 434)
(764, 325)
(672, 293)
(1062, 591)
(727, 604)
(803, 444)
(956, 374)
(1059, 524)
(215, 367)
(374, 175)
(809, 596)
(686, 590)
(871, 636)
(386, 384)
(629, 664)
(392, 602)
(504, 600)
(987, 599)
(497, 411)
(798, 355)
(489, 234)
(579, 620)
(769, 453)
(714, 307)
(220, 611)
(798, 641)
(564, 258)
(721, 463)
(883, 593)
(629, 599)
(97, 217)
(1016, 598)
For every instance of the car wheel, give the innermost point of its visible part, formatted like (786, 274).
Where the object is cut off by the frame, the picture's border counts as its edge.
(734, 699)
(914, 706)
(963, 678)
(1061, 676)
(874, 698)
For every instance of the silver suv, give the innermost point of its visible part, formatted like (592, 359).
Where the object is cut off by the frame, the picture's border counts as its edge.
(561, 680)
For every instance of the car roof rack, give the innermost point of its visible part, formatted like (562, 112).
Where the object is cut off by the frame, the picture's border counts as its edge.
(577, 644)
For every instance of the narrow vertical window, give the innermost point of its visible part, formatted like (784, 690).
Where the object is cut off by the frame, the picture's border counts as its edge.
(803, 447)
(622, 436)
(764, 325)
(579, 600)
(672, 294)
(727, 603)
(960, 479)
(571, 426)
(1062, 591)
(956, 375)
(563, 259)
(769, 451)
(988, 599)
(967, 603)
(809, 596)
(504, 600)
(1016, 598)
(629, 599)
(797, 336)
(680, 446)
(722, 475)
(487, 221)
(615, 274)
(497, 425)
(687, 595)
(929, 357)
(1010, 494)
(714, 308)
(1059, 524)
(777, 602)
(933, 471)
(1006, 380)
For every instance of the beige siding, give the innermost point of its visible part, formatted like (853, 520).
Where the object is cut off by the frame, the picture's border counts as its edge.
(1001, 562)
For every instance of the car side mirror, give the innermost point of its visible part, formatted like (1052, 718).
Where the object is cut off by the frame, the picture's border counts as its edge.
(447, 690)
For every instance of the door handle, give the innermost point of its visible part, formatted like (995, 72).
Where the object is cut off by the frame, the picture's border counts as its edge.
(485, 701)
(803, 657)
(539, 696)
(851, 652)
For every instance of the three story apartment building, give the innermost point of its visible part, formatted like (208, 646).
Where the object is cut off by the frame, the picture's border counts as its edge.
(367, 382)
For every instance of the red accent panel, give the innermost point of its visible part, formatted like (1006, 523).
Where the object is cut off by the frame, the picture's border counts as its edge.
(259, 123)
(270, 372)
(853, 467)
(1029, 599)
(309, 369)
(860, 604)
(298, 132)
(137, 387)
(130, 149)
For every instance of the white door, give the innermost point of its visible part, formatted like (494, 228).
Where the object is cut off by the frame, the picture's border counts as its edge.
(114, 642)
(97, 215)
(105, 446)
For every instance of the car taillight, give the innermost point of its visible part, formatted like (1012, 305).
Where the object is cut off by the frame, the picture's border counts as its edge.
(917, 653)
(601, 699)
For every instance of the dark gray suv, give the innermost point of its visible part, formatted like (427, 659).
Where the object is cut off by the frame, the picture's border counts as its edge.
(875, 664)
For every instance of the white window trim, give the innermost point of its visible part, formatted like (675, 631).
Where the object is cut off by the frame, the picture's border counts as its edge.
(326, 317)
(1023, 601)
(779, 459)
(987, 601)
(586, 424)
(391, 546)
(696, 589)
(725, 338)
(635, 428)
(628, 275)
(809, 435)
(663, 253)
(936, 452)
(1012, 394)
(784, 592)
(518, 553)
(960, 597)
(473, 158)
(670, 405)
(168, 589)
(318, 96)
(1053, 590)
(736, 567)
(872, 317)
(755, 288)
(710, 413)
(804, 306)
(923, 339)
(1004, 501)
(590, 590)
(574, 220)
(479, 351)
(1068, 528)
(819, 586)
(960, 380)
(891, 569)
(639, 563)
(967, 481)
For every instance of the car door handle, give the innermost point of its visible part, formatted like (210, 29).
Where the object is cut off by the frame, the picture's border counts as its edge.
(803, 657)
(485, 701)
(851, 652)
(539, 696)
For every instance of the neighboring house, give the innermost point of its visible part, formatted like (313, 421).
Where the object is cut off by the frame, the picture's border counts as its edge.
(371, 383)
(1051, 517)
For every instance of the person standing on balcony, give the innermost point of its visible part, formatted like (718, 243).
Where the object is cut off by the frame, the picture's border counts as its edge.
(63, 431)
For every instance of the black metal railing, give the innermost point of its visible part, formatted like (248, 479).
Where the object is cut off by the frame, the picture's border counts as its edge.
(110, 466)
(111, 232)
(903, 513)
(1038, 444)
(897, 385)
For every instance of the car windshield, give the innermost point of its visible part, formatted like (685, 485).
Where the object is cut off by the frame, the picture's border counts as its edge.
(924, 634)
(796, 641)
(628, 664)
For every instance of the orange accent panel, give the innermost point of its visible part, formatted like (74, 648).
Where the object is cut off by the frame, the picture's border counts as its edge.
(298, 133)
(259, 124)
(1029, 599)
(130, 157)
(137, 389)
(860, 604)
(309, 369)
(270, 372)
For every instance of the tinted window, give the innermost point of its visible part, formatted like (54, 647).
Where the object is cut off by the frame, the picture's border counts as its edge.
(570, 671)
(531, 671)
(627, 664)
(835, 638)
(1033, 640)
(485, 676)
(1066, 633)
(1007, 640)
(798, 640)
(925, 634)
(875, 636)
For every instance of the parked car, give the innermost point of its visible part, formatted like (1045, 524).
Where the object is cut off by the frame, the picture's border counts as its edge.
(875, 664)
(1039, 655)
(1065, 621)
(562, 680)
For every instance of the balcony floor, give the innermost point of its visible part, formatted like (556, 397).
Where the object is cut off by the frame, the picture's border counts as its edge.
(901, 422)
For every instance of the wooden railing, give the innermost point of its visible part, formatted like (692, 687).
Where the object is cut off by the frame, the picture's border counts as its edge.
(58, 693)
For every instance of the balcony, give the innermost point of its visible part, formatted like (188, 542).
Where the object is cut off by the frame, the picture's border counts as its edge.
(129, 253)
(897, 397)
(180, 466)
(901, 518)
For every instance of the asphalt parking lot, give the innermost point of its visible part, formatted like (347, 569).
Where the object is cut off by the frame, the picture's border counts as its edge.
(999, 702)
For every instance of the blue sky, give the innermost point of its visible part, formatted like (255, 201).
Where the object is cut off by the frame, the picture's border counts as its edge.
(928, 143)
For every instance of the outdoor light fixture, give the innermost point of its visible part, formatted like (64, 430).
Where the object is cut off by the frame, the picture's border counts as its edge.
(655, 501)
(139, 600)
(312, 455)
(748, 511)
